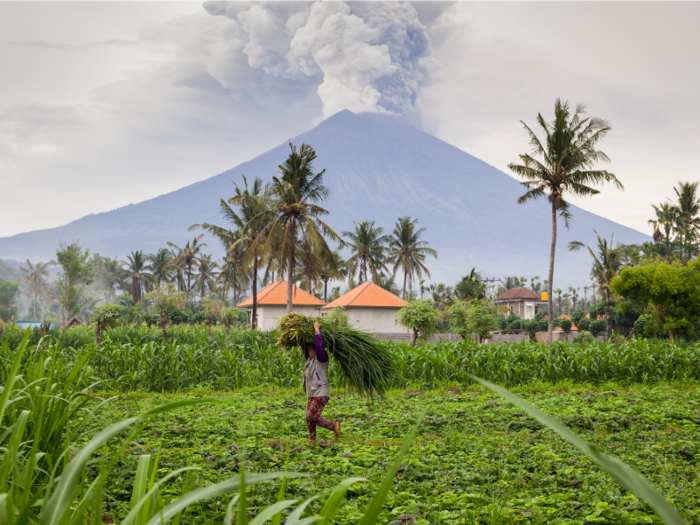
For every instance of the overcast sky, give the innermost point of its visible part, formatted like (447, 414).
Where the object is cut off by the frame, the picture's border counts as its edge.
(106, 104)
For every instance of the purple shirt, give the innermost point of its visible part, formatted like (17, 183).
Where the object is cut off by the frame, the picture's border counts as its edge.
(321, 354)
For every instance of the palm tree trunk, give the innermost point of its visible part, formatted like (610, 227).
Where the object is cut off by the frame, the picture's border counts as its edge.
(550, 282)
(404, 283)
(608, 321)
(35, 300)
(325, 290)
(189, 276)
(254, 320)
(291, 262)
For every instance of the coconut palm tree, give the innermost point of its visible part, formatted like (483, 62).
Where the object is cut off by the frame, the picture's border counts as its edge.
(160, 265)
(186, 258)
(470, 287)
(607, 263)
(408, 252)
(292, 214)
(136, 270)
(574, 297)
(568, 155)
(233, 273)
(331, 270)
(368, 246)
(206, 276)
(387, 283)
(558, 291)
(34, 277)
(687, 219)
(249, 224)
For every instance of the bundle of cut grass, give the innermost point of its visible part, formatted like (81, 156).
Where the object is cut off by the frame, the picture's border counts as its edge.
(365, 363)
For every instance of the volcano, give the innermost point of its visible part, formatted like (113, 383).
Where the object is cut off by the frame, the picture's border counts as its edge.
(378, 168)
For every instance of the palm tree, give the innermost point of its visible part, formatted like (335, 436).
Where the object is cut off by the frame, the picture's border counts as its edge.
(687, 219)
(35, 279)
(242, 243)
(387, 283)
(558, 292)
(136, 271)
(233, 272)
(206, 278)
(607, 264)
(440, 293)
(369, 251)
(331, 270)
(186, 258)
(408, 252)
(574, 296)
(470, 287)
(160, 265)
(568, 156)
(292, 215)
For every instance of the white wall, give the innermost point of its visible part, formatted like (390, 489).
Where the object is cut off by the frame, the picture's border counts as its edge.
(269, 315)
(379, 320)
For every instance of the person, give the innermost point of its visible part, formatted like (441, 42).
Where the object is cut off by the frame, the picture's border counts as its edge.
(316, 386)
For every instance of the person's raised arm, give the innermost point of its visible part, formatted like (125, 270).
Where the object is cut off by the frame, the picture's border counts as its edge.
(321, 354)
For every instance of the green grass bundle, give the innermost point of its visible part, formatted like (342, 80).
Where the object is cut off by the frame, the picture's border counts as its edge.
(365, 363)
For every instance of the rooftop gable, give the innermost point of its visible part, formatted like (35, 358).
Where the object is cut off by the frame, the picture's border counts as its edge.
(367, 295)
(276, 294)
(519, 293)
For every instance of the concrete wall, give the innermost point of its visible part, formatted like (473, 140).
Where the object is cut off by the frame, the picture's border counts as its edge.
(377, 320)
(406, 337)
(269, 315)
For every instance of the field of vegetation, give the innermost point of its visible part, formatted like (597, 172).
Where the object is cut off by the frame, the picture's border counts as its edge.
(227, 403)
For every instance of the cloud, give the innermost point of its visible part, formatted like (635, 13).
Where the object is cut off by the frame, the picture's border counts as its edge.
(364, 56)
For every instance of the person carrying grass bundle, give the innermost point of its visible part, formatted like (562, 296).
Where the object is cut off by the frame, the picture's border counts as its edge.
(316, 386)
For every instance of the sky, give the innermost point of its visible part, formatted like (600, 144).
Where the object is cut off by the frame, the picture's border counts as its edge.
(104, 104)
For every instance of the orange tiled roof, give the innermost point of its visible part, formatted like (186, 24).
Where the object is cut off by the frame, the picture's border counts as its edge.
(276, 294)
(367, 294)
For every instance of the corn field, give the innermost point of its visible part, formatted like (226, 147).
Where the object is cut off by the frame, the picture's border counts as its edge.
(132, 359)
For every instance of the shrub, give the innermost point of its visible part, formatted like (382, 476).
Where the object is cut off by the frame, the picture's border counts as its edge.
(338, 317)
(584, 338)
(565, 324)
(421, 317)
(597, 327)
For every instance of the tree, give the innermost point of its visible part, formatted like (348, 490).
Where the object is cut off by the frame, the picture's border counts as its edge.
(9, 292)
(473, 317)
(331, 268)
(565, 324)
(160, 265)
(558, 291)
(470, 287)
(368, 247)
(242, 243)
(568, 155)
(76, 270)
(607, 263)
(136, 270)
(338, 317)
(687, 219)
(387, 283)
(206, 278)
(230, 316)
(670, 293)
(574, 297)
(212, 310)
(187, 257)
(420, 317)
(293, 215)
(35, 279)
(408, 252)
(104, 317)
(165, 301)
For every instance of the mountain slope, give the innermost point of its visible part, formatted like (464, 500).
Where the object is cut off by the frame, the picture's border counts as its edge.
(378, 168)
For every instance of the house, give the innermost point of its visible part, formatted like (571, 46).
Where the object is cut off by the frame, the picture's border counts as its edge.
(522, 302)
(370, 307)
(272, 304)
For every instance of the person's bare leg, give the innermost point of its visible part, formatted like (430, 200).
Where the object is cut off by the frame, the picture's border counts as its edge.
(336, 430)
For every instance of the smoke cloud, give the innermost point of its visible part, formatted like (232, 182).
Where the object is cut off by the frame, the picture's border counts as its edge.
(362, 56)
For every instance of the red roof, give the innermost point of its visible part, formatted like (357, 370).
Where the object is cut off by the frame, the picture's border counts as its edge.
(370, 295)
(276, 294)
(519, 293)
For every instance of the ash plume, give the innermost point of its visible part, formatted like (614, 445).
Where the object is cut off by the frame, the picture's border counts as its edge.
(362, 56)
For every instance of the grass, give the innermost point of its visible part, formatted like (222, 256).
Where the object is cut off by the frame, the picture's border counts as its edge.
(476, 458)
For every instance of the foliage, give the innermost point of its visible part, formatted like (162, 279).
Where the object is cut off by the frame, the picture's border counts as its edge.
(568, 155)
(474, 317)
(470, 287)
(368, 246)
(408, 252)
(668, 292)
(565, 325)
(476, 458)
(166, 300)
(366, 364)
(597, 327)
(337, 317)
(584, 338)
(77, 270)
(233, 317)
(9, 292)
(34, 276)
(421, 317)
(106, 316)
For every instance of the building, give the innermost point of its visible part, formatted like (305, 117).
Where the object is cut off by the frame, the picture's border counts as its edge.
(272, 304)
(370, 307)
(522, 302)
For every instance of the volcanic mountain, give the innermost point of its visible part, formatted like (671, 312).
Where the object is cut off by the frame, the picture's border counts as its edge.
(378, 168)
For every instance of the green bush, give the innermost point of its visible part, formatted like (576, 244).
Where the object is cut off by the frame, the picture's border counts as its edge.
(584, 338)
(597, 327)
